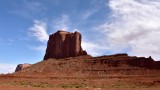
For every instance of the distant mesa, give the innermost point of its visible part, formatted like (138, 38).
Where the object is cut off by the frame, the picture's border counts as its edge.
(22, 66)
(63, 44)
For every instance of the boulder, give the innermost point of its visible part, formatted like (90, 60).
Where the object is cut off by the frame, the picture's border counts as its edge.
(63, 44)
(21, 66)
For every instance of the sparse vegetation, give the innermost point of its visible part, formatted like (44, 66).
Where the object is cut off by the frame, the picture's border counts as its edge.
(114, 84)
(72, 85)
(29, 84)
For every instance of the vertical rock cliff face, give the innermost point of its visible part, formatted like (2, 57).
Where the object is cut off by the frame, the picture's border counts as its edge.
(64, 44)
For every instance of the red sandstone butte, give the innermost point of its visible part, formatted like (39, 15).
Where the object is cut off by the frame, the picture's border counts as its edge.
(63, 44)
(21, 66)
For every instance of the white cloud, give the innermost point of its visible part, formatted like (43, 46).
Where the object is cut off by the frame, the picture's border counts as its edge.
(135, 26)
(90, 48)
(93, 49)
(7, 68)
(10, 40)
(76, 30)
(39, 30)
(88, 13)
(96, 5)
(62, 23)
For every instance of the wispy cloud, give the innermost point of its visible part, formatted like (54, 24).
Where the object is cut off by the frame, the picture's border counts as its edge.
(88, 13)
(96, 5)
(10, 40)
(134, 25)
(62, 23)
(39, 30)
(29, 8)
(7, 68)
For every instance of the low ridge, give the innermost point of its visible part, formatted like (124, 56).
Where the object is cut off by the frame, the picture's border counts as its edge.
(87, 66)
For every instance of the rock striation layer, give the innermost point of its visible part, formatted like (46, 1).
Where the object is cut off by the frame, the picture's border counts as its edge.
(21, 66)
(64, 44)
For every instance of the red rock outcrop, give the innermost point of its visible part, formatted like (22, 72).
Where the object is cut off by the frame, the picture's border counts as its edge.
(118, 60)
(64, 44)
(21, 66)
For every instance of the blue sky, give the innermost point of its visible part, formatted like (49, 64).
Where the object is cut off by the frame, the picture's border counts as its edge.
(107, 26)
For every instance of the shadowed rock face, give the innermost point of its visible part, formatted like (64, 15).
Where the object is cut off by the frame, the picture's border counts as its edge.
(21, 66)
(64, 44)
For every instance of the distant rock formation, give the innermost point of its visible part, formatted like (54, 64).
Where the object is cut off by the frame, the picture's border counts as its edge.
(21, 66)
(118, 60)
(117, 64)
(64, 44)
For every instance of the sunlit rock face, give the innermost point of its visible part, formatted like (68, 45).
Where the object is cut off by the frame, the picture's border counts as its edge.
(64, 44)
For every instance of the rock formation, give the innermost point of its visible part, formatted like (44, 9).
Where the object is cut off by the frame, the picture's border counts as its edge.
(21, 66)
(119, 60)
(64, 44)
